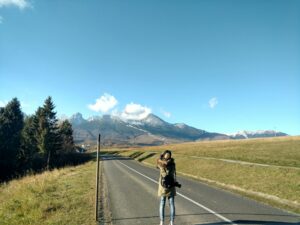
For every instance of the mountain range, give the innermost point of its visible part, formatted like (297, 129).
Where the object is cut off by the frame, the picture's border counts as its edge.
(151, 130)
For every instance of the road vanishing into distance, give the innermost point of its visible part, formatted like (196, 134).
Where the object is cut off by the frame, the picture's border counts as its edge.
(133, 200)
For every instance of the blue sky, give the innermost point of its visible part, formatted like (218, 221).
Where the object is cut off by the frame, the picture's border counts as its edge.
(219, 65)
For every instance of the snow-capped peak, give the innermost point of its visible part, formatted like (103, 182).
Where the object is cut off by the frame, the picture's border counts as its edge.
(180, 125)
(94, 118)
(259, 133)
(153, 120)
(76, 119)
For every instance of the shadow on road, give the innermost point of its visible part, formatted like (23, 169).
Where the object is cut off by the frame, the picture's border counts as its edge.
(146, 157)
(114, 157)
(135, 154)
(135, 218)
(251, 222)
(263, 222)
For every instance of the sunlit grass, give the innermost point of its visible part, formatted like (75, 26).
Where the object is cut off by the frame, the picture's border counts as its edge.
(280, 151)
(61, 196)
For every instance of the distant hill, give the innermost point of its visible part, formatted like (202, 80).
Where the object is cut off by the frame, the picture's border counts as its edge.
(151, 130)
(257, 134)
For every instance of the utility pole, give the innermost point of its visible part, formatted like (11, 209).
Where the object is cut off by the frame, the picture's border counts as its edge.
(97, 179)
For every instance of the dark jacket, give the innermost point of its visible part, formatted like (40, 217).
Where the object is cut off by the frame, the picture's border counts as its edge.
(170, 168)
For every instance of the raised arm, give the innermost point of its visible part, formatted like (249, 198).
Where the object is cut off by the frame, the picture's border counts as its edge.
(161, 163)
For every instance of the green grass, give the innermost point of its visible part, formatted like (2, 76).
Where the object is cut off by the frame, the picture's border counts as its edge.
(61, 196)
(278, 186)
(280, 151)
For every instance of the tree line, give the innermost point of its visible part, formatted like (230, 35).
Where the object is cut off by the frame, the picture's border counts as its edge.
(36, 142)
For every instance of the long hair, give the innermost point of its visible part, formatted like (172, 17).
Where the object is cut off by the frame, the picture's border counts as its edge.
(167, 151)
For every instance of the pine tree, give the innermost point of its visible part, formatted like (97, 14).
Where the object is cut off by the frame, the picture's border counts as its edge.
(11, 125)
(66, 132)
(29, 143)
(48, 136)
(40, 131)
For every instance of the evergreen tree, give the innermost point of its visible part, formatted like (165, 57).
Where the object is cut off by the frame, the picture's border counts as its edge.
(66, 132)
(29, 143)
(48, 135)
(24, 142)
(11, 125)
(40, 131)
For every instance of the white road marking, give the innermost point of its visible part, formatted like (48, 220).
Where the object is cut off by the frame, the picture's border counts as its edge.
(185, 197)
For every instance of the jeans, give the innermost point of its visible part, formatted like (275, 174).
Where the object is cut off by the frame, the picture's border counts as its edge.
(162, 207)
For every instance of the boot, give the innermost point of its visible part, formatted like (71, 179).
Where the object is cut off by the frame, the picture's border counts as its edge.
(161, 223)
(171, 223)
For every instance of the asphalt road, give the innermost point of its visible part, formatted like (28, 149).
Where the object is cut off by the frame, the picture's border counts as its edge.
(133, 200)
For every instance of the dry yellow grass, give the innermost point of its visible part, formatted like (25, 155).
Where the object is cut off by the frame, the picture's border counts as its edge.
(280, 151)
(62, 196)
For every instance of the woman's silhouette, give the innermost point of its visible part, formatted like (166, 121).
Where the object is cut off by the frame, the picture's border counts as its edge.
(166, 188)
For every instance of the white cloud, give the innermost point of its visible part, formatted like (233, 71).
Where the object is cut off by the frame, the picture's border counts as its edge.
(24, 105)
(21, 4)
(62, 117)
(134, 111)
(3, 103)
(165, 113)
(116, 112)
(213, 102)
(103, 104)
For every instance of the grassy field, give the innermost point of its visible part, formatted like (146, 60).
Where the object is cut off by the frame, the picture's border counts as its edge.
(280, 151)
(62, 196)
(277, 184)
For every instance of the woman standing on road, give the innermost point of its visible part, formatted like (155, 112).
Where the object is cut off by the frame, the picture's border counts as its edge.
(166, 187)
